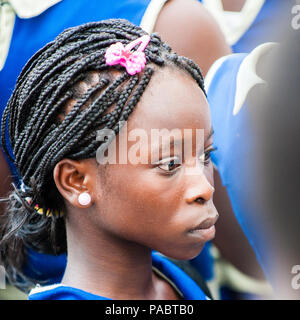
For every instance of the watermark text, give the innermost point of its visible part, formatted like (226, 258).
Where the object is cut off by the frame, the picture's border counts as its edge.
(295, 23)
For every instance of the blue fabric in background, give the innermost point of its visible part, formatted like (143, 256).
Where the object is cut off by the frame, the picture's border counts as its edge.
(46, 268)
(204, 262)
(273, 15)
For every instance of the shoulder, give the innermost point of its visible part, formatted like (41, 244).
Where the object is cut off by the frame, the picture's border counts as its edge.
(61, 292)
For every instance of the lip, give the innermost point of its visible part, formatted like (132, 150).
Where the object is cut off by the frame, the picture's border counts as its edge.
(204, 231)
(206, 224)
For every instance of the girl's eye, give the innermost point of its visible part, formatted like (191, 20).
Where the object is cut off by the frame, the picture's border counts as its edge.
(169, 165)
(205, 157)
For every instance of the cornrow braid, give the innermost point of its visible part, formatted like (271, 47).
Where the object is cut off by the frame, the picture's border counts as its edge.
(64, 94)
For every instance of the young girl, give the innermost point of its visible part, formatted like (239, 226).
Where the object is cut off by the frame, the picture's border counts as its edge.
(109, 217)
(173, 21)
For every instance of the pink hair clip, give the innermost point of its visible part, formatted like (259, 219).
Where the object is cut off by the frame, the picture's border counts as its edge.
(133, 61)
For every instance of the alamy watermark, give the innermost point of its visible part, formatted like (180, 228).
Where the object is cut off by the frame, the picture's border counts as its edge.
(295, 283)
(2, 278)
(295, 22)
(153, 147)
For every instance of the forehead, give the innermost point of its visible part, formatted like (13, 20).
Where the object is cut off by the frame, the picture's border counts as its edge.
(172, 100)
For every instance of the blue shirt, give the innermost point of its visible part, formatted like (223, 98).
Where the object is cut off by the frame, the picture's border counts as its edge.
(189, 289)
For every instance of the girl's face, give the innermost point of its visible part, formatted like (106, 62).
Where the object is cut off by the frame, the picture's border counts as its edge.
(162, 204)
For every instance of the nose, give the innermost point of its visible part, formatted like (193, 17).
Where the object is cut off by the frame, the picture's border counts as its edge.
(201, 191)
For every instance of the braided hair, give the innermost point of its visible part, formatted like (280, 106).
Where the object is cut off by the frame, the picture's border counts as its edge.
(64, 94)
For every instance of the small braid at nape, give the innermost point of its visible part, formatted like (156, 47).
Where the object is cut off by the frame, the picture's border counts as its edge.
(66, 93)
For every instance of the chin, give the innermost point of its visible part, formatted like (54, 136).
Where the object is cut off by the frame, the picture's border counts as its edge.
(184, 254)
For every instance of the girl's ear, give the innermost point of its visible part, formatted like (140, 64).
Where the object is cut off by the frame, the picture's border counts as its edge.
(72, 178)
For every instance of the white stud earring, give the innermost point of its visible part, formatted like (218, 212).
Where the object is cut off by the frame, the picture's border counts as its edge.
(84, 199)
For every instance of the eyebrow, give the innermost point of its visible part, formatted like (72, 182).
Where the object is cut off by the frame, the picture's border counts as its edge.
(178, 141)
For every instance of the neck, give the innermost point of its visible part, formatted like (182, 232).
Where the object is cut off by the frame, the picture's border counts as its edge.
(107, 266)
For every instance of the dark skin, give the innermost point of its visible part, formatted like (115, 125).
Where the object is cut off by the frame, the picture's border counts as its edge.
(192, 32)
(233, 5)
(136, 208)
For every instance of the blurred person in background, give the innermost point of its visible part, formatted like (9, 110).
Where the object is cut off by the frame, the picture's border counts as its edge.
(255, 124)
(275, 115)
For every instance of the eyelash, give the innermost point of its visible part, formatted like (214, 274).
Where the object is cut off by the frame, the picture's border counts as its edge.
(166, 163)
(206, 162)
(208, 152)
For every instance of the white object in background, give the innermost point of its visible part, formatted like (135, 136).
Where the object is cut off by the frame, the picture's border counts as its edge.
(24, 9)
(234, 24)
(247, 77)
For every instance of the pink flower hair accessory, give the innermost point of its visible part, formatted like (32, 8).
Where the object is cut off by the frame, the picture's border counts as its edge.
(133, 61)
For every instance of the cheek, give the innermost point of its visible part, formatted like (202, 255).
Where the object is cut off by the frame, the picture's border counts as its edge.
(144, 207)
(136, 201)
